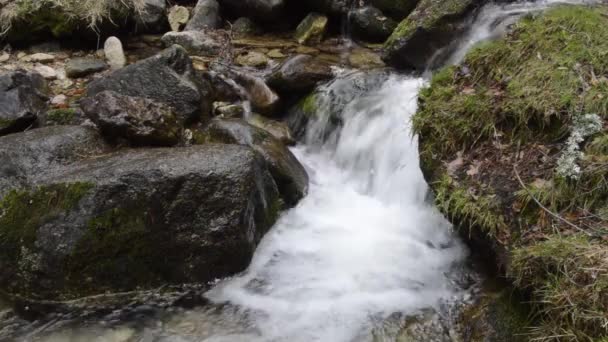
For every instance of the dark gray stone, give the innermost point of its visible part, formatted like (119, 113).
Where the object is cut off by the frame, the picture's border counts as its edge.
(154, 17)
(370, 24)
(262, 10)
(300, 73)
(243, 27)
(80, 67)
(23, 96)
(206, 15)
(200, 43)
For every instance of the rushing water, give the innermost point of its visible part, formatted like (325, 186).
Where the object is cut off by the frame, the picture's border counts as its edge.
(362, 245)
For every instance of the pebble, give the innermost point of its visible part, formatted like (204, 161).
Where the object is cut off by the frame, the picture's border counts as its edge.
(4, 57)
(114, 53)
(46, 71)
(59, 100)
(40, 58)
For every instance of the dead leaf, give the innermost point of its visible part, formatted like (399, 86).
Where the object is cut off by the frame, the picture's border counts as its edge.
(455, 164)
(474, 168)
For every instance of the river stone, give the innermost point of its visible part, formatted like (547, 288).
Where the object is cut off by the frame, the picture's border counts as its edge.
(312, 29)
(46, 71)
(300, 73)
(23, 96)
(4, 57)
(243, 27)
(200, 43)
(167, 77)
(397, 9)
(289, 175)
(262, 10)
(28, 155)
(365, 59)
(370, 24)
(136, 219)
(80, 67)
(252, 59)
(263, 99)
(430, 27)
(206, 15)
(115, 55)
(40, 58)
(138, 120)
(279, 130)
(153, 17)
(178, 17)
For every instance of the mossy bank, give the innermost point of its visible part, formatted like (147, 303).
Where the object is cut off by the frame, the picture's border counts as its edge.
(514, 143)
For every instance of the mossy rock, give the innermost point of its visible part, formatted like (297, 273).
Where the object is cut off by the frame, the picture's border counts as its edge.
(492, 135)
(430, 27)
(136, 220)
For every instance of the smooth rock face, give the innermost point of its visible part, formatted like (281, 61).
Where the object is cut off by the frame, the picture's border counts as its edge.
(289, 175)
(430, 27)
(243, 27)
(199, 43)
(140, 121)
(206, 15)
(137, 219)
(277, 129)
(153, 18)
(80, 67)
(252, 59)
(263, 99)
(115, 55)
(168, 77)
(46, 71)
(262, 10)
(23, 96)
(300, 73)
(178, 17)
(370, 24)
(311, 29)
(28, 155)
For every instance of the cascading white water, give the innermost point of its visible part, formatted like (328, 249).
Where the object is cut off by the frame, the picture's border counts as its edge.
(363, 243)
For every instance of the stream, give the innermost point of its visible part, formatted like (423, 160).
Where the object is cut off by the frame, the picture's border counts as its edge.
(366, 243)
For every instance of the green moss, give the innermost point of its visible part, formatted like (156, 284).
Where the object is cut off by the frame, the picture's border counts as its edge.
(427, 15)
(4, 123)
(24, 211)
(309, 105)
(61, 116)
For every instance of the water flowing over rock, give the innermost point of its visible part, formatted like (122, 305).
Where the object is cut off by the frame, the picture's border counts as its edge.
(137, 219)
(168, 77)
(431, 26)
(206, 15)
(138, 120)
(23, 96)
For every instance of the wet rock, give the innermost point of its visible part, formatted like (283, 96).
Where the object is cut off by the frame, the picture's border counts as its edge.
(202, 43)
(23, 96)
(228, 110)
(153, 18)
(252, 59)
(424, 327)
(289, 175)
(178, 17)
(277, 129)
(243, 27)
(114, 53)
(431, 26)
(138, 120)
(370, 24)
(300, 73)
(136, 219)
(263, 99)
(168, 77)
(80, 67)
(276, 53)
(30, 154)
(312, 29)
(206, 15)
(262, 10)
(365, 59)
(397, 9)
(46, 71)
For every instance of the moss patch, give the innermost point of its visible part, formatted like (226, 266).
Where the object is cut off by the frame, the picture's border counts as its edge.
(491, 135)
(61, 116)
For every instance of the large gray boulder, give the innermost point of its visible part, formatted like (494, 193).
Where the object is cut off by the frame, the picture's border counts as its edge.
(23, 96)
(138, 120)
(370, 24)
(29, 155)
(168, 77)
(289, 175)
(136, 219)
(262, 10)
(300, 73)
(397, 9)
(206, 15)
(432, 26)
